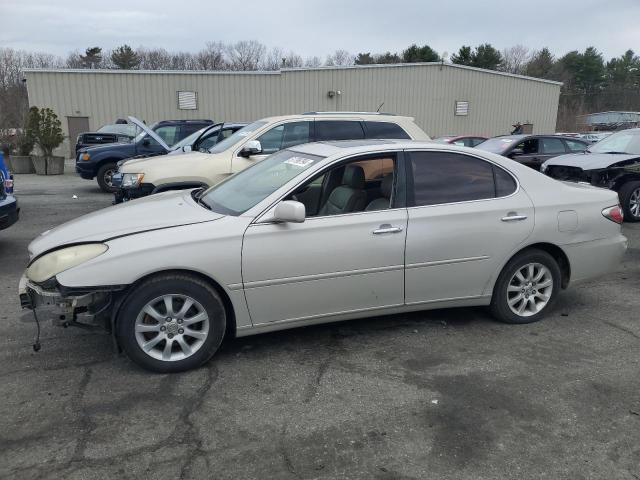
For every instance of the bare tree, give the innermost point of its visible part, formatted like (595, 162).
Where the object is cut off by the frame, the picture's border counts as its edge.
(313, 62)
(515, 59)
(273, 60)
(212, 56)
(154, 59)
(245, 55)
(340, 58)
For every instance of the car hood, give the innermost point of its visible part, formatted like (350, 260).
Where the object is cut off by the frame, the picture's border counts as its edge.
(138, 165)
(164, 210)
(109, 147)
(589, 161)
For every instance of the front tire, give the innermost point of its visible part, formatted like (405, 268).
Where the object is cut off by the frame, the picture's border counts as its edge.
(105, 177)
(526, 288)
(171, 323)
(629, 195)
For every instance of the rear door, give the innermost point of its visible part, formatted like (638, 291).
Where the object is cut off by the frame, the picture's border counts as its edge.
(466, 215)
(551, 147)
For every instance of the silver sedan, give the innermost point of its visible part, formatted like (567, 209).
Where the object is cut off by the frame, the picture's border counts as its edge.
(320, 233)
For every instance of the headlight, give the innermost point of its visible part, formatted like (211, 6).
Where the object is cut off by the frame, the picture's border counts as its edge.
(56, 262)
(85, 156)
(131, 180)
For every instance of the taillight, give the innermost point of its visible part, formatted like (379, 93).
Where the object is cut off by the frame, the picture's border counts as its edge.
(613, 213)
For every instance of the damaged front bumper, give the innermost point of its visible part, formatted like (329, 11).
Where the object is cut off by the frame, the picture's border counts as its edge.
(88, 309)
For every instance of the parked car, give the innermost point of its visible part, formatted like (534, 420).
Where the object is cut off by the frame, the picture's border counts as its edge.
(532, 150)
(324, 232)
(200, 141)
(6, 178)
(462, 141)
(253, 143)
(612, 163)
(112, 133)
(100, 161)
(594, 137)
(9, 211)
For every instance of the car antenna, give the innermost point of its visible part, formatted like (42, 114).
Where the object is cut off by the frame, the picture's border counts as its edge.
(378, 110)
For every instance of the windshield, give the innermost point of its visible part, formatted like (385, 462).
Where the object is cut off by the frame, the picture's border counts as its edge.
(496, 145)
(246, 189)
(119, 128)
(626, 141)
(236, 137)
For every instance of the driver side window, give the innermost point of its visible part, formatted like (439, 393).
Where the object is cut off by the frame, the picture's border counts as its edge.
(529, 147)
(364, 184)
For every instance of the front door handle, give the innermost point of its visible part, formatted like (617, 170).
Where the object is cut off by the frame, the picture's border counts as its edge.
(513, 218)
(386, 228)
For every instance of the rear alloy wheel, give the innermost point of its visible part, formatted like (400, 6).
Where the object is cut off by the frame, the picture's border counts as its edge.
(630, 200)
(105, 177)
(172, 323)
(526, 287)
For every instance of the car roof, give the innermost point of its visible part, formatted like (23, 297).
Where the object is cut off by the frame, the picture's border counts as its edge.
(349, 147)
(341, 115)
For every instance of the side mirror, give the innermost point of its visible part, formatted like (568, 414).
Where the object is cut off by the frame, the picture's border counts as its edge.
(186, 148)
(252, 147)
(516, 152)
(289, 211)
(146, 142)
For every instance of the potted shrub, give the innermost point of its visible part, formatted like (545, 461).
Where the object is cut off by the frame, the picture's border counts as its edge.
(21, 163)
(45, 129)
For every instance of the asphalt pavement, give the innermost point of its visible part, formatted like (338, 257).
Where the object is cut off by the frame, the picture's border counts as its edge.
(447, 394)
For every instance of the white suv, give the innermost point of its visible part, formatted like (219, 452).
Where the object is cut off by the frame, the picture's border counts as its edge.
(142, 177)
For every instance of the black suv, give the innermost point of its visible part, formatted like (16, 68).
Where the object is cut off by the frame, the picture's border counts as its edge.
(100, 161)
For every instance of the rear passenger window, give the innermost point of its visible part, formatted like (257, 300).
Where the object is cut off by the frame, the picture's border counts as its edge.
(385, 130)
(338, 130)
(505, 184)
(442, 177)
(552, 145)
(576, 146)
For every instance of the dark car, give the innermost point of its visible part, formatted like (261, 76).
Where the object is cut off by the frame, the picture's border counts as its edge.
(113, 133)
(613, 163)
(100, 161)
(461, 140)
(532, 150)
(9, 211)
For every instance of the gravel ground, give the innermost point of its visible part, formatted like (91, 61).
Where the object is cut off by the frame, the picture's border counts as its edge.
(441, 394)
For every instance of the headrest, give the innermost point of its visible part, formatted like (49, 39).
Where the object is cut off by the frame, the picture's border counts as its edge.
(353, 177)
(386, 185)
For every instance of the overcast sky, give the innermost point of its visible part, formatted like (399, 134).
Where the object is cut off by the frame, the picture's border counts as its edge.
(319, 27)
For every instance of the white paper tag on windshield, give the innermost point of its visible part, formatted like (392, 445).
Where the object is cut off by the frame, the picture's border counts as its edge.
(299, 161)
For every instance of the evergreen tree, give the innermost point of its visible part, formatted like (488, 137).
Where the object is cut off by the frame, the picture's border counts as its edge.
(125, 58)
(92, 57)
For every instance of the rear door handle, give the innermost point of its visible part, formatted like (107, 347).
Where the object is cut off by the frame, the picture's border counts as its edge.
(513, 218)
(386, 228)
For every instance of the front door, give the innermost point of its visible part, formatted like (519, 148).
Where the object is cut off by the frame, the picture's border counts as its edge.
(76, 126)
(465, 216)
(348, 258)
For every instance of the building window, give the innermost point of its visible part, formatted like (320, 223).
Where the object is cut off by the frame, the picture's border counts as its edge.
(462, 108)
(187, 100)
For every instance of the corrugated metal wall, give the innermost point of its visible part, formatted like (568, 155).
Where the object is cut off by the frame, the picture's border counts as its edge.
(427, 92)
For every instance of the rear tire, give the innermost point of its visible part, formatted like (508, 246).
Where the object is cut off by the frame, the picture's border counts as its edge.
(526, 288)
(629, 195)
(171, 323)
(104, 177)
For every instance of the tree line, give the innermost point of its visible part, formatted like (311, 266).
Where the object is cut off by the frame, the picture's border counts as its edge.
(590, 82)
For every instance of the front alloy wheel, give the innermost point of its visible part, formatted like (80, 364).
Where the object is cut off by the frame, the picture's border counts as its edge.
(172, 327)
(171, 323)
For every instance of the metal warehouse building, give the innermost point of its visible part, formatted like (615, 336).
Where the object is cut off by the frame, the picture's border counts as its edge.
(443, 98)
